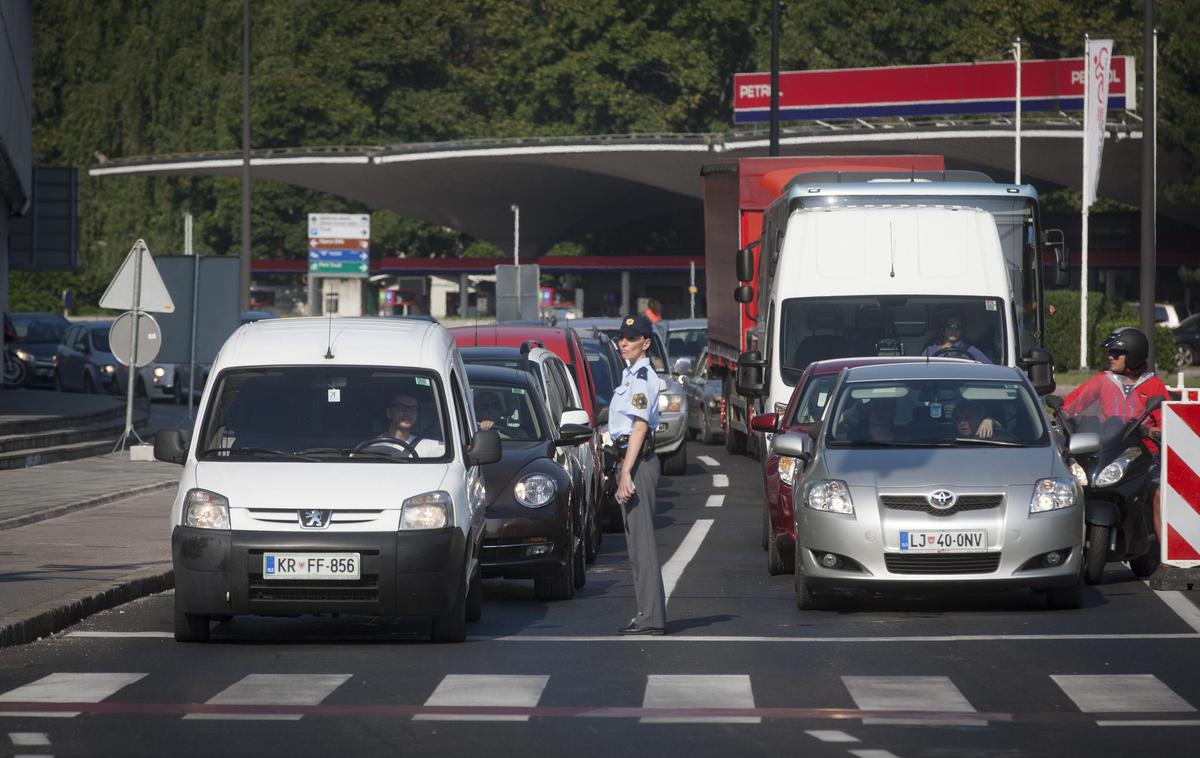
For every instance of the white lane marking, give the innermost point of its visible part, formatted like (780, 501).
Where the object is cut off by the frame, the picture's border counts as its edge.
(483, 691)
(707, 460)
(673, 569)
(714, 501)
(273, 689)
(66, 688)
(1120, 693)
(117, 635)
(873, 754)
(831, 735)
(934, 694)
(29, 739)
(720, 480)
(1179, 603)
(1151, 722)
(836, 640)
(698, 691)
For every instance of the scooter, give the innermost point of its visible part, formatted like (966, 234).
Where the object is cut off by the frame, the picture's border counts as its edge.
(1110, 458)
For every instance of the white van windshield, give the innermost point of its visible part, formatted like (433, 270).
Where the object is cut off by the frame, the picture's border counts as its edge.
(360, 414)
(817, 329)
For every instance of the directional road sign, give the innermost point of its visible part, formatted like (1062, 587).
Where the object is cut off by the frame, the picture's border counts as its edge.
(348, 225)
(341, 262)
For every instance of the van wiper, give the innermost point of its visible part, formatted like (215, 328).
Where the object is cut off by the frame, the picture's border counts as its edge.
(348, 452)
(255, 451)
(985, 441)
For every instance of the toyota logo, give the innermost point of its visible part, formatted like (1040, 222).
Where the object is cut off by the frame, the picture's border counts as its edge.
(314, 519)
(943, 500)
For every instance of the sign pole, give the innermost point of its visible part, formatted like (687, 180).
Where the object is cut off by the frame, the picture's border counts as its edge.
(516, 209)
(1083, 218)
(187, 245)
(692, 286)
(133, 356)
(1017, 55)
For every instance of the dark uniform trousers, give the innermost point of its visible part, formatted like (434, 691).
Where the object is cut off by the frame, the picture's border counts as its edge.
(638, 514)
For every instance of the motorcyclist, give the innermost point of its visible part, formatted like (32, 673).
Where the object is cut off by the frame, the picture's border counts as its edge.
(1123, 390)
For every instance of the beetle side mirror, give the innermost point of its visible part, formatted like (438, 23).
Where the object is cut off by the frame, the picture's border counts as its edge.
(484, 448)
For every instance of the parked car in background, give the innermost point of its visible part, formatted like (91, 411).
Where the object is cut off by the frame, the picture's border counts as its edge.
(84, 362)
(1167, 314)
(686, 338)
(536, 510)
(704, 403)
(670, 438)
(1187, 342)
(157, 381)
(38, 335)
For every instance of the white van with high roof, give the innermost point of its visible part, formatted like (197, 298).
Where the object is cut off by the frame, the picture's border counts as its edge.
(334, 469)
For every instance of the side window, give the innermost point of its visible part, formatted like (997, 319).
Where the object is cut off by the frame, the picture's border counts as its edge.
(570, 390)
(461, 417)
(80, 342)
(556, 398)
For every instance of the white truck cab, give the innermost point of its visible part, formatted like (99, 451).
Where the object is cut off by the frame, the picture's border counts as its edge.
(333, 469)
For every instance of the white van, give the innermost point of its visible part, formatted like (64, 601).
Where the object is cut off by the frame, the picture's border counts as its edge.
(333, 469)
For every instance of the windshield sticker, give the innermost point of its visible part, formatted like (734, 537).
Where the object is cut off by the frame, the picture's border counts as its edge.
(518, 391)
(335, 396)
(935, 410)
(821, 398)
(989, 305)
(422, 381)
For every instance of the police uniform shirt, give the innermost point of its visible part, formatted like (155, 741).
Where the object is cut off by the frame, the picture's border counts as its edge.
(636, 398)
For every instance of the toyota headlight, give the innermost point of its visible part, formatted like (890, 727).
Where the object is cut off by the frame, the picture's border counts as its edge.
(1053, 494)
(535, 490)
(205, 510)
(429, 510)
(787, 469)
(832, 495)
(1078, 472)
(670, 402)
(1115, 471)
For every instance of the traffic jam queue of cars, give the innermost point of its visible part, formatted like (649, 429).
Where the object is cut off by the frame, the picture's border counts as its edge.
(360, 466)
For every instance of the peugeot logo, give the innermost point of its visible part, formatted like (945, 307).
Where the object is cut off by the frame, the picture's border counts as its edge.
(943, 500)
(314, 519)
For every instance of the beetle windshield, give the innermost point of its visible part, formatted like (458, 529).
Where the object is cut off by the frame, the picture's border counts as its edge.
(510, 411)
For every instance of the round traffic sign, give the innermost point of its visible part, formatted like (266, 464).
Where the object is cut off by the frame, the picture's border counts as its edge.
(149, 338)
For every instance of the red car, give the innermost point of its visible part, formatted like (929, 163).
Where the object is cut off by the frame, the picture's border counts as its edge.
(804, 409)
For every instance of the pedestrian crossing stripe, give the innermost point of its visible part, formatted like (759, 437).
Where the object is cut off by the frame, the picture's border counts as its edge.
(667, 698)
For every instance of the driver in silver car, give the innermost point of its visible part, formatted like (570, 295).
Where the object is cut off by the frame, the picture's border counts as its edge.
(403, 414)
(953, 344)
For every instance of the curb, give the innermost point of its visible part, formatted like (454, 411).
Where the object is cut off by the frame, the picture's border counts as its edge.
(40, 621)
(59, 510)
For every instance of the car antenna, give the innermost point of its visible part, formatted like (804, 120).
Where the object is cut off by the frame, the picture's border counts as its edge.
(329, 340)
(892, 240)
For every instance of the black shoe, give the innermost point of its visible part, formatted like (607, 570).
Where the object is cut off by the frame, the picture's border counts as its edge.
(636, 628)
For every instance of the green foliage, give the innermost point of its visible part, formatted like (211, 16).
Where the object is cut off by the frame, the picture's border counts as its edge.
(567, 249)
(482, 249)
(1104, 316)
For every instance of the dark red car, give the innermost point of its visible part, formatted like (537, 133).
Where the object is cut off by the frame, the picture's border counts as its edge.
(803, 410)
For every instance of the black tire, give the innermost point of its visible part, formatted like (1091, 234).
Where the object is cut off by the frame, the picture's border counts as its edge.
(595, 536)
(1146, 563)
(1065, 598)
(453, 626)
(1095, 553)
(89, 387)
(706, 434)
(474, 609)
(775, 565)
(806, 598)
(139, 389)
(766, 526)
(57, 381)
(579, 558)
(1185, 355)
(189, 627)
(15, 372)
(561, 584)
(675, 464)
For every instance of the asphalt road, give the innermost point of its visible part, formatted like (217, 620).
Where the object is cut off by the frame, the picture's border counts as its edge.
(742, 671)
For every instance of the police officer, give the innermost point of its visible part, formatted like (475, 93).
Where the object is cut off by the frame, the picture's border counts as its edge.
(633, 416)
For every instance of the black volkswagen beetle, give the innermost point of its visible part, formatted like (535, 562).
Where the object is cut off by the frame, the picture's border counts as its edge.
(535, 491)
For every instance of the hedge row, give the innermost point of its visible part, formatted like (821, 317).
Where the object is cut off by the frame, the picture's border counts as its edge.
(1104, 315)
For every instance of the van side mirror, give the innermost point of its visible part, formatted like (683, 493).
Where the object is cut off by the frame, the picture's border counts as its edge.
(484, 448)
(1056, 243)
(169, 446)
(745, 263)
(744, 294)
(751, 370)
(1039, 366)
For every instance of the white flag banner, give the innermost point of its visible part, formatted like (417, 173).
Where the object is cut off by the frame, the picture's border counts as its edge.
(1097, 71)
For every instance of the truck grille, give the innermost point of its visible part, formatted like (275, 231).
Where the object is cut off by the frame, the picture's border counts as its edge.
(952, 563)
(921, 503)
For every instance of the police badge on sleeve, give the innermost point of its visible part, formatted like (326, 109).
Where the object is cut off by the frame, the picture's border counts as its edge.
(639, 401)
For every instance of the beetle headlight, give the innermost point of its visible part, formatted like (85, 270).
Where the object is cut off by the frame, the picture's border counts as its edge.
(535, 490)
(429, 510)
(1115, 471)
(787, 469)
(832, 495)
(670, 402)
(1053, 494)
(205, 510)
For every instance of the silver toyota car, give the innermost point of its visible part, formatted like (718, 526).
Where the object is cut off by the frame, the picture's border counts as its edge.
(927, 475)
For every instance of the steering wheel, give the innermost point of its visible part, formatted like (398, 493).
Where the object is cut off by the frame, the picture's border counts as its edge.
(405, 447)
(952, 351)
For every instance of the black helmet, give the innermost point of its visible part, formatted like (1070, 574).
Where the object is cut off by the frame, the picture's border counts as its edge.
(1133, 342)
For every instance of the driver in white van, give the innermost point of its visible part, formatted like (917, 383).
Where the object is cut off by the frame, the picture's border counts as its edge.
(403, 413)
(953, 344)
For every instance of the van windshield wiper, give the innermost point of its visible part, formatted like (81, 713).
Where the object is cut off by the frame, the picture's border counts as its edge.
(255, 451)
(968, 441)
(348, 452)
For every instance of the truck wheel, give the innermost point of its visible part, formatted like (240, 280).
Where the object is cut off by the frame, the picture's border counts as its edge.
(734, 442)
(189, 627)
(453, 626)
(706, 434)
(1095, 553)
(675, 464)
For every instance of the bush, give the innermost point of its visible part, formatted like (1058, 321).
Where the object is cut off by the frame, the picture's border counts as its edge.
(1104, 315)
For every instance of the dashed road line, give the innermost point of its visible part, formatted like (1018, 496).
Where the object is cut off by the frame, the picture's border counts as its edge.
(1182, 607)
(831, 735)
(274, 690)
(873, 754)
(66, 687)
(720, 480)
(708, 460)
(29, 739)
(714, 501)
(673, 569)
(930, 694)
(1120, 693)
(691, 692)
(1150, 722)
(485, 690)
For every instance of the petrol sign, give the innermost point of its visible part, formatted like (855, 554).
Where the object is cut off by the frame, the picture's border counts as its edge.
(941, 89)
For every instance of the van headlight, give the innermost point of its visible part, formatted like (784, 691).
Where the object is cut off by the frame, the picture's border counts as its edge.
(1115, 471)
(430, 510)
(832, 495)
(787, 469)
(205, 510)
(1053, 494)
(670, 402)
(535, 490)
